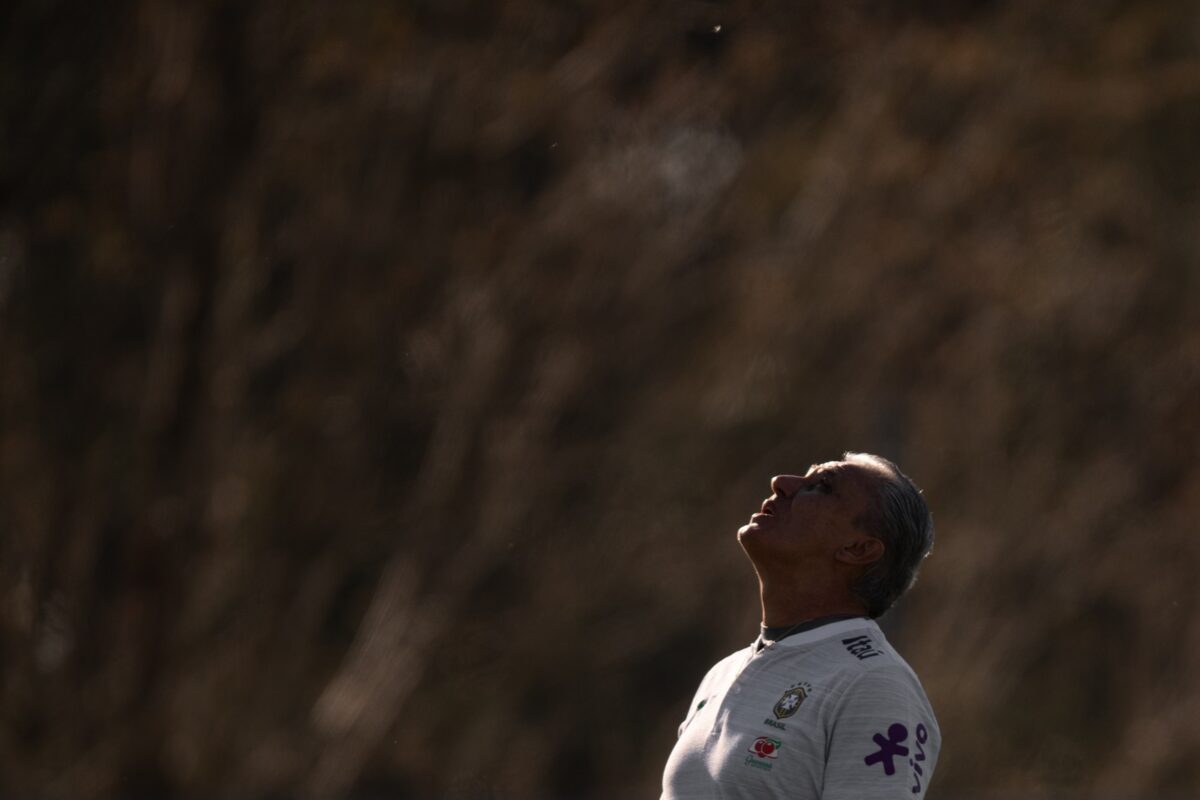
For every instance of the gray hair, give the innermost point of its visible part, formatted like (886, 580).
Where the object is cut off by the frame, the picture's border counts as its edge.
(901, 520)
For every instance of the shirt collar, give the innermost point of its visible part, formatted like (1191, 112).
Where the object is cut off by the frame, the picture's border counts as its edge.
(826, 631)
(780, 632)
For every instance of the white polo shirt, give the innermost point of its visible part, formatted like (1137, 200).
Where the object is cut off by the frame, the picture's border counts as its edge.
(830, 713)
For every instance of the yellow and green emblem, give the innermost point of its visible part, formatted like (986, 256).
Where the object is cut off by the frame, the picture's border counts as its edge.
(791, 700)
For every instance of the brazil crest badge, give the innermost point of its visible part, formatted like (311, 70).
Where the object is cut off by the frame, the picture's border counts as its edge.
(791, 700)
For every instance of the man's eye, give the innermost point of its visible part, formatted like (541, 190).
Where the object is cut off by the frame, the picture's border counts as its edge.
(825, 486)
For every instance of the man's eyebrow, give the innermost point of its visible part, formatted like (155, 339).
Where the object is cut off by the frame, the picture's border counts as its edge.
(827, 470)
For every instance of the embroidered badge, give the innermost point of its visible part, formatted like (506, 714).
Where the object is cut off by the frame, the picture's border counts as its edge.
(763, 748)
(791, 700)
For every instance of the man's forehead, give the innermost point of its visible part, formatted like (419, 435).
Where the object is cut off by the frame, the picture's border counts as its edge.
(855, 467)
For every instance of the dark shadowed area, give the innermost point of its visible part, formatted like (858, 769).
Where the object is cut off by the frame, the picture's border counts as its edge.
(382, 383)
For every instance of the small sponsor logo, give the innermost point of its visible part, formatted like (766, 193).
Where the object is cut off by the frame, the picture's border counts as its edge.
(790, 702)
(889, 748)
(915, 761)
(766, 747)
(861, 647)
(762, 749)
(773, 724)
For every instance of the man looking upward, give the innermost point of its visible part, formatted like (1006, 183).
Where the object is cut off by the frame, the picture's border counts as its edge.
(820, 705)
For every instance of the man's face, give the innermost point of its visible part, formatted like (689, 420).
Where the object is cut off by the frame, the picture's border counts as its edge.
(809, 518)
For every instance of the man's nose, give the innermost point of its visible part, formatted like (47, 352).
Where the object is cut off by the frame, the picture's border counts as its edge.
(784, 485)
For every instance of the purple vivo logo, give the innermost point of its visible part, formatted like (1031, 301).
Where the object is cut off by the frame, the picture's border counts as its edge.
(889, 748)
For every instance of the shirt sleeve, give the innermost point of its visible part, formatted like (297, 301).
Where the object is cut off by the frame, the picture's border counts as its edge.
(883, 742)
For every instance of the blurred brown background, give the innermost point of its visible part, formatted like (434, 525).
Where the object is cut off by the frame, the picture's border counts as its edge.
(382, 383)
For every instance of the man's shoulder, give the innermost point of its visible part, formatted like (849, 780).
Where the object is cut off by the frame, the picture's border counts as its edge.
(857, 644)
(863, 654)
(732, 661)
(873, 669)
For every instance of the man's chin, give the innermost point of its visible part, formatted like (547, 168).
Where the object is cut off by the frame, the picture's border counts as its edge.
(756, 545)
(758, 523)
(751, 532)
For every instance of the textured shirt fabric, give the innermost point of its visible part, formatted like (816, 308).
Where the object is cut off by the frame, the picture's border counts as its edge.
(831, 713)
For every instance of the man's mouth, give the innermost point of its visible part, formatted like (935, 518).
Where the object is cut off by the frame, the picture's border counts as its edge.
(768, 508)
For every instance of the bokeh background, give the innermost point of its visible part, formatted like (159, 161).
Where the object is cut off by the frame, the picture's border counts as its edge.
(382, 383)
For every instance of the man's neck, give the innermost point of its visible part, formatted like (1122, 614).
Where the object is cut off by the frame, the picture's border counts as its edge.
(787, 604)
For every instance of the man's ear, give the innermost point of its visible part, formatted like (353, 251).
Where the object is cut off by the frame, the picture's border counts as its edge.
(863, 550)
